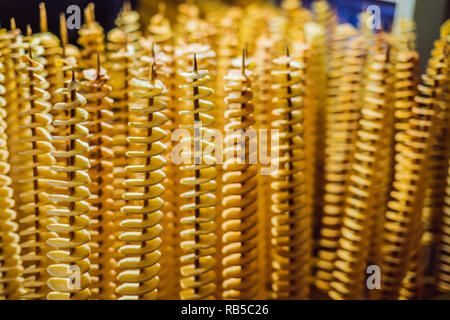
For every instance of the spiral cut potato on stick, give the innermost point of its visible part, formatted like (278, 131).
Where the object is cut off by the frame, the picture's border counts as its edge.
(120, 66)
(188, 24)
(359, 214)
(406, 67)
(342, 123)
(434, 201)
(68, 60)
(442, 263)
(52, 54)
(227, 49)
(205, 59)
(291, 237)
(315, 116)
(128, 21)
(19, 76)
(69, 270)
(161, 38)
(198, 237)
(264, 55)
(99, 105)
(385, 172)
(91, 39)
(434, 95)
(10, 53)
(402, 233)
(335, 158)
(251, 25)
(10, 262)
(326, 17)
(140, 265)
(240, 274)
(241, 157)
(32, 164)
(122, 69)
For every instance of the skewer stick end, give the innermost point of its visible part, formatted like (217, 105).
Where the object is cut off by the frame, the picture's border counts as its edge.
(161, 7)
(244, 53)
(127, 6)
(153, 51)
(98, 63)
(43, 17)
(13, 24)
(153, 72)
(63, 30)
(195, 62)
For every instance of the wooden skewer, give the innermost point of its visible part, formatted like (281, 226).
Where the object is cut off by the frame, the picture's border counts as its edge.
(43, 16)
(98, 64)
(153, 51)
(162, 8)
(13, 24)
(91, 8)
(244, 54)
(126, 6)
(63, 30)
(88, 15)
(153, 72)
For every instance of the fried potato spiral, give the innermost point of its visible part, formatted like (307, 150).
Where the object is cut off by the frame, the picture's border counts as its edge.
(10, 262)
(32, 164)
(143, 210)
(99, 107)
(240, 274)
(291, 222)
(69, 272)
(359, 213)
(198, 215)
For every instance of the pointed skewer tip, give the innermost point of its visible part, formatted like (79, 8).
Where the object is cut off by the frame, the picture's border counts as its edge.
(127, 6)
(98, 63)
(244, 53)
(161, 7)
(153, 72)
(43, 17)
(195, 62)
(63, 31)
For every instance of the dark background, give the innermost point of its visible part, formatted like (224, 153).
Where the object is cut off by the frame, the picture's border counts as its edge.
(27, 12)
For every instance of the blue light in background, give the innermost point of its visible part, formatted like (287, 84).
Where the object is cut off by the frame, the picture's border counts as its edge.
(348, 10)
